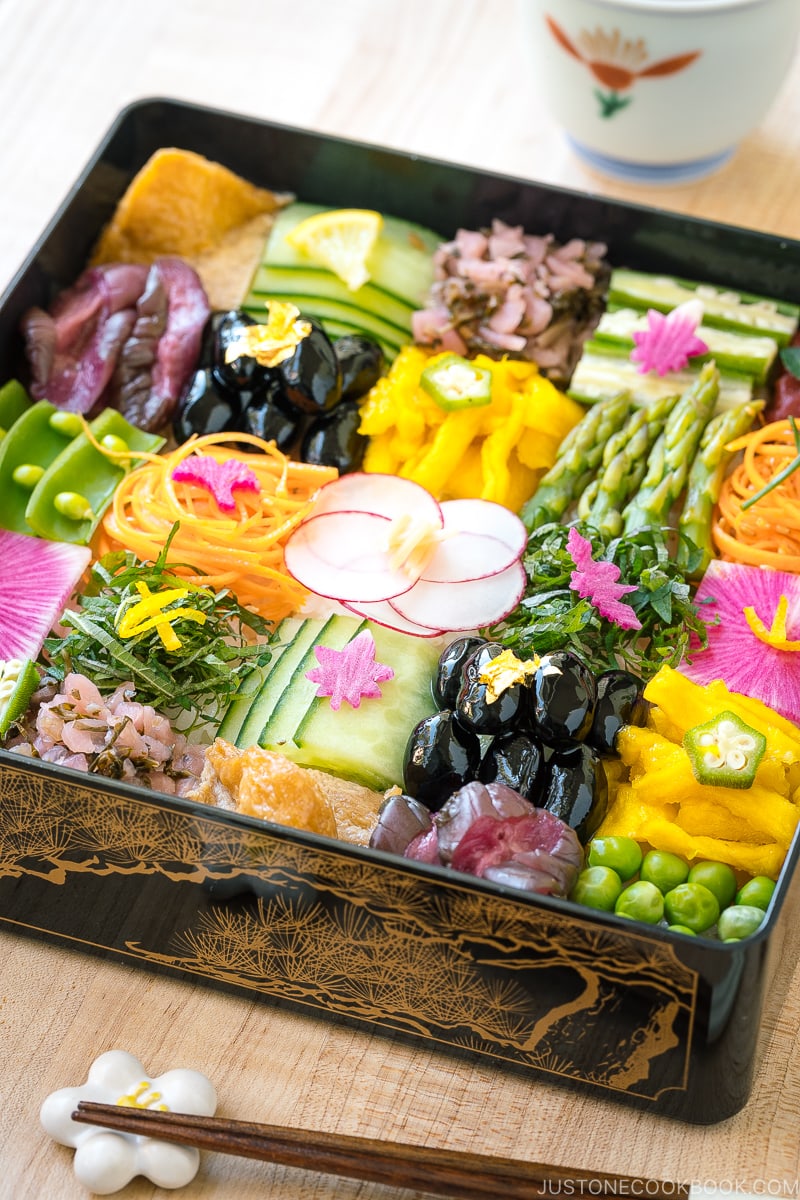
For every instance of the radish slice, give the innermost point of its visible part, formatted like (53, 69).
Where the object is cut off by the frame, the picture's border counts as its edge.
(467, 605)
(384, 495)
(342, 556)
(487, 518)
(466, 556)
(382, 613)
(36, 581)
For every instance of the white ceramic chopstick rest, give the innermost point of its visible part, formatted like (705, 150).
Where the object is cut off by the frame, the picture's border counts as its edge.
(106, 1160)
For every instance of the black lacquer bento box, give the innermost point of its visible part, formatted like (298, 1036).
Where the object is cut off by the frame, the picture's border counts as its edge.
(660, 1021)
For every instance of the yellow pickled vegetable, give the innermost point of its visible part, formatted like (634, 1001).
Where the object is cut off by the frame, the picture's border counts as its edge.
(496, 451)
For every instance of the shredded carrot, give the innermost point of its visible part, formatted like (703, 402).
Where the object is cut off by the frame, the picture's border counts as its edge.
(768, 532)
(242, 551)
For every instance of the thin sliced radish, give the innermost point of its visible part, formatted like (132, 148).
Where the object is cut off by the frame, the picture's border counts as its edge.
(384, 495)
(467, 556)
(382, 613)
(37, 578)
(468, 605)
(342, 556)
(487, 518)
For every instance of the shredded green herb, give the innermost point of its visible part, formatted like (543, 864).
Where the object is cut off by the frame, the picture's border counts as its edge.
(552, 616)
(788, 470)
(199, 677)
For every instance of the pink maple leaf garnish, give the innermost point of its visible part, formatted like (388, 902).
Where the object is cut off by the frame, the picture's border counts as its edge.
(350, 673)
(219, 478)
(669, 341)
(597, 583)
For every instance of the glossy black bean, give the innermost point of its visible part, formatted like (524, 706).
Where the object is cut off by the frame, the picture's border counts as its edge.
(208, 344)
(244, 371)
(268, 418)
(333, 440)
(311, 377)
(517, 761)
(562, 694)
(619, 702)
(440, 757)
(361, 361)
(448, 679)
(474, 708)
(205, 407)
(576, 789)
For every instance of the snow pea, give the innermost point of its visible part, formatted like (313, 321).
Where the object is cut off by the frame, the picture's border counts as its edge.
(70, 498)
(32, 441)
(13, 403)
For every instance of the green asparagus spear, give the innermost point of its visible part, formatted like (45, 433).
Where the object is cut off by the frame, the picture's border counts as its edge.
(670, 458)
(624, 465)
(707, 473)
(579, 457)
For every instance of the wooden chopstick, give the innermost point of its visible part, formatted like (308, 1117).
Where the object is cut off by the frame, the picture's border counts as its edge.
(454, 1173)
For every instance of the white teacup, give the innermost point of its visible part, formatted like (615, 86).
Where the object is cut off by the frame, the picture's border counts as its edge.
(660, 91)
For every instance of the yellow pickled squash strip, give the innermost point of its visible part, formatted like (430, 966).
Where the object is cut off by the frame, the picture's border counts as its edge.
(645, 750)
(712, 820)
(629, 812)
(663, 834)
(687, 704)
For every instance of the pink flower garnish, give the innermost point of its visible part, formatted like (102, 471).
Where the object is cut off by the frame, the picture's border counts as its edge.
(349, 674)
(219, 478)
(597, 583)
(669, 340)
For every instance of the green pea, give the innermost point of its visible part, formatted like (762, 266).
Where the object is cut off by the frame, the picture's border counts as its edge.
(739, 921)
(758, 891)
(73, 505)
(621, 854)
(641, 901)
(597, 887)
(68, 423)
(691, 904)
(682, 929)
(27, 475)
(116, 444)
(718, 877)
(663, 869)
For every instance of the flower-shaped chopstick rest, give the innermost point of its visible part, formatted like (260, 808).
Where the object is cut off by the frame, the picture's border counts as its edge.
(106, 1161)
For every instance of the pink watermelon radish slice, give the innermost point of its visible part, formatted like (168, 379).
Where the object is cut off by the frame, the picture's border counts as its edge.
(37, 578)
(767, 670)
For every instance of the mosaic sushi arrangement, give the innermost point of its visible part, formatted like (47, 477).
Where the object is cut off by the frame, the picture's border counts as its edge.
(467, 545)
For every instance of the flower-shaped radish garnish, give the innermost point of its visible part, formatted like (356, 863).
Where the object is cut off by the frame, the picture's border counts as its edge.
(388, 551)
(106, 1160)
(670, 340)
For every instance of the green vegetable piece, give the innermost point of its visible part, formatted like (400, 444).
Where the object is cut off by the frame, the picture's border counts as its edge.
(597, 887)
(19, 679)
(693, 905)
(739, 921)
(88, 477)
(682, 929)
(621, 854)
(641, 901)
(455, 383)
(718, 877)
(31, 442)
(663, 869)
(68, 424)
(27, 475)
(13, 403)
(724, 751)
(757, 892)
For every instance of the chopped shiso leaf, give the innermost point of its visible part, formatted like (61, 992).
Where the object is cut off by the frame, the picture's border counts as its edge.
(199, 676)
(762, 666)
(36, 581)
(552, 616)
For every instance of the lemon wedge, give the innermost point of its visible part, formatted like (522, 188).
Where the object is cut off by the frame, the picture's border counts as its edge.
(340, 239)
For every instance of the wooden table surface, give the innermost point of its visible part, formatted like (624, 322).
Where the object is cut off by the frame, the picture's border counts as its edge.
(446, 78)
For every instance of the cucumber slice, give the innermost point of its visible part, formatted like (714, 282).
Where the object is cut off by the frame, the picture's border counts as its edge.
(600, 376)
(308, 284)
(368, 744)
(236, 714)
(723, 308)
(322, 309)
(401, 261)
(293, 705)
(19, 679)
(298, 636)
(733, 352)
